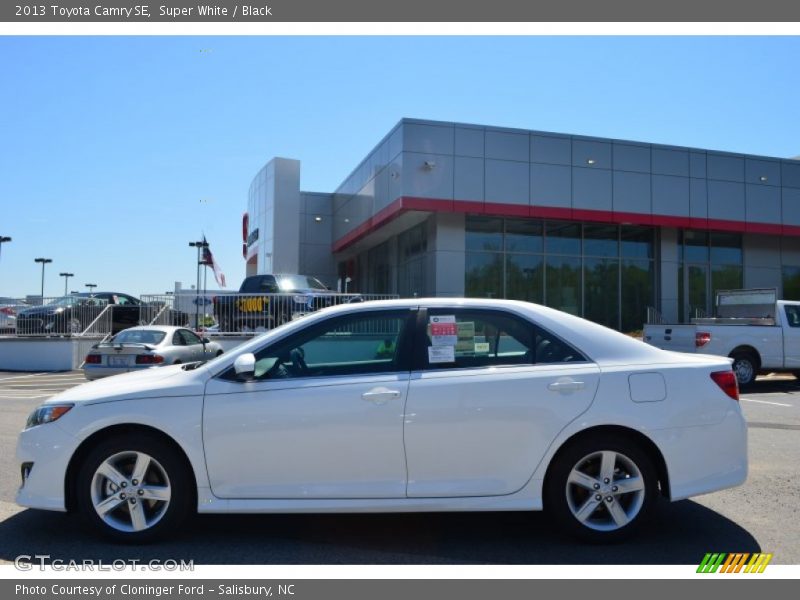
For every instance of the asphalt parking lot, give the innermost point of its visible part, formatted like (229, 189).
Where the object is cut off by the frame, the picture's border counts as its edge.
(760, 516)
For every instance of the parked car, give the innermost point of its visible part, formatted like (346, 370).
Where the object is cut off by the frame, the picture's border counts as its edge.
(260, 309)
(401, 405)
(8, 322)
(758, 332)
(8, 313)
(145, 347)
(74, 313)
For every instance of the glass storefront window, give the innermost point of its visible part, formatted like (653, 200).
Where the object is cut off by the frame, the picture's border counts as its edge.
(524, 236)
(602, 272)
(710, 261)
(484, 234)
(563, 238)
(601, 240)
(726, 248)
(601, 291)
(695, 246)
(412, 242)
(637, 292)
(525, 277)
(484, 275)
(636, 242)
(563, 281)
(725, 277)
(791, 283)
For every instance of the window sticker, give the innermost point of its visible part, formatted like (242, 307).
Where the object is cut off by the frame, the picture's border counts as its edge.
(466, 337)
(481, 347)
(443, 319)
(443, 330)
(441, 354)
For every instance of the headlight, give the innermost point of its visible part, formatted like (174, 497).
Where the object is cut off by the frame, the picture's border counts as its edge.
(47, 413)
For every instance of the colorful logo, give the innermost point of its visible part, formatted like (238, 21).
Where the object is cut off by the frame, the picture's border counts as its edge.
(734, 563)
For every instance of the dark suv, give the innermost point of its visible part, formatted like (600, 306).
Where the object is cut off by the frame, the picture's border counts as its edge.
(271, 300)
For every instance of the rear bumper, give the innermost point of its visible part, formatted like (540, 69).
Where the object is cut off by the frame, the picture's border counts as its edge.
(706, 458)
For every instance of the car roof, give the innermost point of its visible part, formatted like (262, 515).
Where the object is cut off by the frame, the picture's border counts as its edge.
(162, 328)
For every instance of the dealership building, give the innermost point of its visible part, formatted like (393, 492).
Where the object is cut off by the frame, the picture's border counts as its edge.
(600, 228)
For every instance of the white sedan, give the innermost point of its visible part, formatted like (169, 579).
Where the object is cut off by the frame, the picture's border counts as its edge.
(401, 405)
(145, 347)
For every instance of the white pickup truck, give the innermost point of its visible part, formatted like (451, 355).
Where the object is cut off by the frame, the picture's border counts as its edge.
(758, 331)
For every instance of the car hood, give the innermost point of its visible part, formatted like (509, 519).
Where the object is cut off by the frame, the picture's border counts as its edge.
(39, 311)
(157, 382)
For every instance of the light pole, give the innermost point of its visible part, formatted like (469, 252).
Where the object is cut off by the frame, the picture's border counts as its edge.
(66, 277)
(44, 261)
(199, 246)
(3, 239)
(91, 286)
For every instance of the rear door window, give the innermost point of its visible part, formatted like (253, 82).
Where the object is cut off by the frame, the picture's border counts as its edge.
(473, 338)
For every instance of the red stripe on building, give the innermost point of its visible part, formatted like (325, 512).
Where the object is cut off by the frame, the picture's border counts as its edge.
(412, 203)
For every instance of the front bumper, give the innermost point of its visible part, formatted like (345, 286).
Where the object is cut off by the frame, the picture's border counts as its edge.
(49, 448)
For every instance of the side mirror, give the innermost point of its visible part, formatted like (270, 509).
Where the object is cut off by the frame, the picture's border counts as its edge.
(245, 366)
(205, 340)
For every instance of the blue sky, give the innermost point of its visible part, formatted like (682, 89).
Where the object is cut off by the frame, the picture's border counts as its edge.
(115, 152)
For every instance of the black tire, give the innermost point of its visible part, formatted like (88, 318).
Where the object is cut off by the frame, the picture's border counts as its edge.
(219, 353)
(165, 460)
(745, 366)
(562, 498)
(177, 362)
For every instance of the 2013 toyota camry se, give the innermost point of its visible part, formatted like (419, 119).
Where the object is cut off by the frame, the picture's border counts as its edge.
(400, 405)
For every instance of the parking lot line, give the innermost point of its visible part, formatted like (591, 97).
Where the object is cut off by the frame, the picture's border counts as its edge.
(22, 376)
(16, 386)
(765, 402)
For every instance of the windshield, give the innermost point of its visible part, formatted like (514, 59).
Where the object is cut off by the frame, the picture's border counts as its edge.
(70, 300)
(139, 336)
(299, 282)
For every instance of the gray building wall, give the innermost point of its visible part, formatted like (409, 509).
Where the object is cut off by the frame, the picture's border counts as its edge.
(437, 172)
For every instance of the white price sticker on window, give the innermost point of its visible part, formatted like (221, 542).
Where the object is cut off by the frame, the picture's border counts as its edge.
(441, 354)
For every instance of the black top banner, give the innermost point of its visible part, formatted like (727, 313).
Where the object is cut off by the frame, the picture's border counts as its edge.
(184, 11)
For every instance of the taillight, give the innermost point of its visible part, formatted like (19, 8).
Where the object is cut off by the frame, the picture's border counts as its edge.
(92, 359)
(701, 338)
(149, 359)
(727, 382)
(7, 310)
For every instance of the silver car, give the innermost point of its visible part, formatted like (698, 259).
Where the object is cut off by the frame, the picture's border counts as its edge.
(144, 347)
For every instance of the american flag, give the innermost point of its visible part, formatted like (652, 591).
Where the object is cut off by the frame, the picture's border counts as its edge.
(208, 259)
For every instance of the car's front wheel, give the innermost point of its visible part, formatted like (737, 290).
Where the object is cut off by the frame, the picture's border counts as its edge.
(601, 488)
(134, 488)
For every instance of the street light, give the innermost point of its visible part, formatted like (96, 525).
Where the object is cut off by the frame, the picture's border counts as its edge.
(199, 246)
(91, 286)
(66, 277)
(3, 240)
(44, 261)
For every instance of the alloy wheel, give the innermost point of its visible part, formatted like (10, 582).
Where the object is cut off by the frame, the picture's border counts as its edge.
(605, 490)
(130, 491)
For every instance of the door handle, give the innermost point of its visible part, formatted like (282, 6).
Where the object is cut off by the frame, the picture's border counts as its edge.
(380, 395)
(565, 385)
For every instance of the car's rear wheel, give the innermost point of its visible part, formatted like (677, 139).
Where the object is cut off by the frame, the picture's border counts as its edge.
(134, 488)
(745, 367)
(601, 488)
